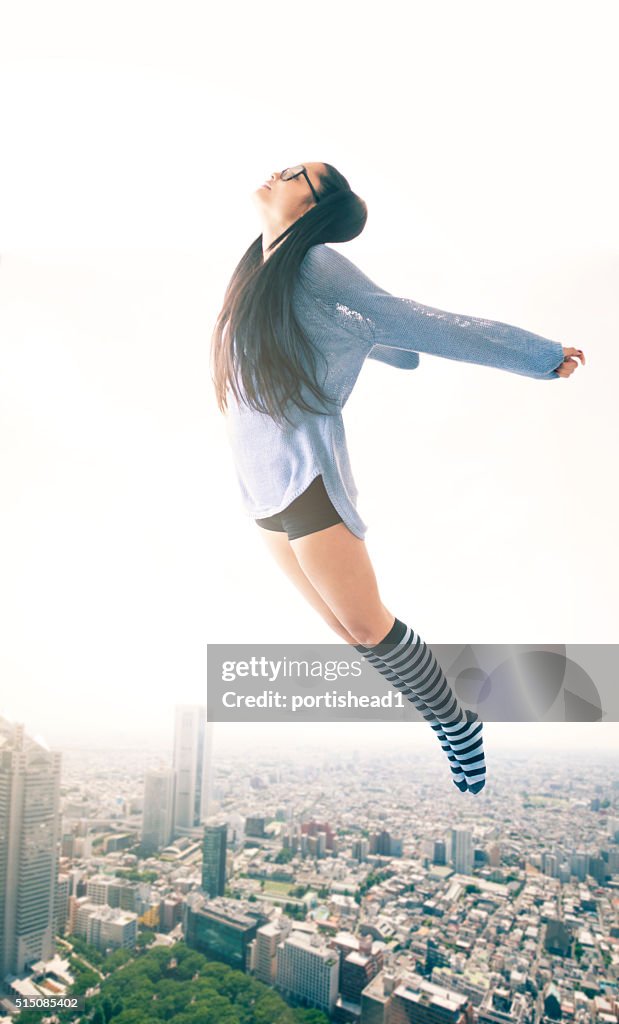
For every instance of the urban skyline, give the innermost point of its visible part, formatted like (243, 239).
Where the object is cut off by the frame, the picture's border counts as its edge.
(339, 880)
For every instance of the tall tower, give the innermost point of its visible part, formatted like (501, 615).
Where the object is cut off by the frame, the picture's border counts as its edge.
(193, 743)
(158, 818)
(214, 859)
(462, 851)
(29, 836)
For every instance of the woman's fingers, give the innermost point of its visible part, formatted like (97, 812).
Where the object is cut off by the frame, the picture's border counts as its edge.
(567, 367)
(569, 363)
(575, 352)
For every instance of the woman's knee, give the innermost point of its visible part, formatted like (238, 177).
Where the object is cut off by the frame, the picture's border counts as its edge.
(369, 633)
(358, 634)
(345, 634)
(335, 624)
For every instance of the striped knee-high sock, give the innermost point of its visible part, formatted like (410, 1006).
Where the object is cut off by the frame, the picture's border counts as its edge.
(458, 776)
(405, 653)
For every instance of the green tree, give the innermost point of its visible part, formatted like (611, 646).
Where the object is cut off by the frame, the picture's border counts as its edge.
(84, 977)
(108, 1009)
(132, 875)
(116, 958)
(133, 1017)
(145, 937)
(90, 953)
(284, 856)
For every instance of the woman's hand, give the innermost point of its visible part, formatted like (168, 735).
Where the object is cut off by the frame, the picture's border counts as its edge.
(569, 364)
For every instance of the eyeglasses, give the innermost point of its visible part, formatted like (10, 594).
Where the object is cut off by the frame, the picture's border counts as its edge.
(294, 172)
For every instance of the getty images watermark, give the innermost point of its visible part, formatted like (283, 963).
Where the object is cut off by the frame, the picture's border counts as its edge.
(333, 682)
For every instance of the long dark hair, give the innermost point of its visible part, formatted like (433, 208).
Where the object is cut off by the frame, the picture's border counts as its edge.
(259, 349)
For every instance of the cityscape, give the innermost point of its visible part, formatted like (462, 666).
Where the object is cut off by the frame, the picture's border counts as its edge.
(301, 887)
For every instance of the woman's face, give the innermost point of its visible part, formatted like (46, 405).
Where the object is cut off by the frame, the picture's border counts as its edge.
(287, 200)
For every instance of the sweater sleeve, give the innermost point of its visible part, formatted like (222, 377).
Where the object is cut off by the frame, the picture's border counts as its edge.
(399, 323)
(403, 359)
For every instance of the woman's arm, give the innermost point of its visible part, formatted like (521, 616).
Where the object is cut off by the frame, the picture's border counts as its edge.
(402, 323)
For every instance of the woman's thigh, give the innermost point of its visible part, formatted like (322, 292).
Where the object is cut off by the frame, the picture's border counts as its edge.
(338, 566)
(281, 550)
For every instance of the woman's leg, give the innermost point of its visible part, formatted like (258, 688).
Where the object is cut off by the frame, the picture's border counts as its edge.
(348, 562)
(281, 550)
(338, 562)
(338, 566)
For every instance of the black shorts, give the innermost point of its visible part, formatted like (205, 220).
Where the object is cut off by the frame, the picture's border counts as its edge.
(310, 512)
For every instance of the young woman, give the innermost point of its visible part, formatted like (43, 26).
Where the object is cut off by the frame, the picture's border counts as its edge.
(297, 322)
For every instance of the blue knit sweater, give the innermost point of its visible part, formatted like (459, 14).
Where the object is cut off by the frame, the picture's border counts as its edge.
(350, 319)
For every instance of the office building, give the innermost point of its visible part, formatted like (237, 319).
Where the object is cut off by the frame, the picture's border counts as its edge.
(254, 826)
(158, 813)
(360, 849)
(307, 970)
(80, 909)
(501, 1006)
(462, 851)
(557, 938)
(579, 865)
(426, 1003)
(550, 865)
(267, 940)
(358, 969)
(398, 997)
(222, 929)
(29, 839)
(312, 828)
(192, 765)
(170, 913)
(97, 889)
(111, 928)
(214, 859)
(106, 890)
(439, 853)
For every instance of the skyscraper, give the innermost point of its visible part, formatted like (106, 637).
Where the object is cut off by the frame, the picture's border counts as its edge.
(462, 851)
(214, 859)
(158, 816)
(29, 836)
(193, 744)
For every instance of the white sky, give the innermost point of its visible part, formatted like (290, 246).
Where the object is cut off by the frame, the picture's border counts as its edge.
(133, 136)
